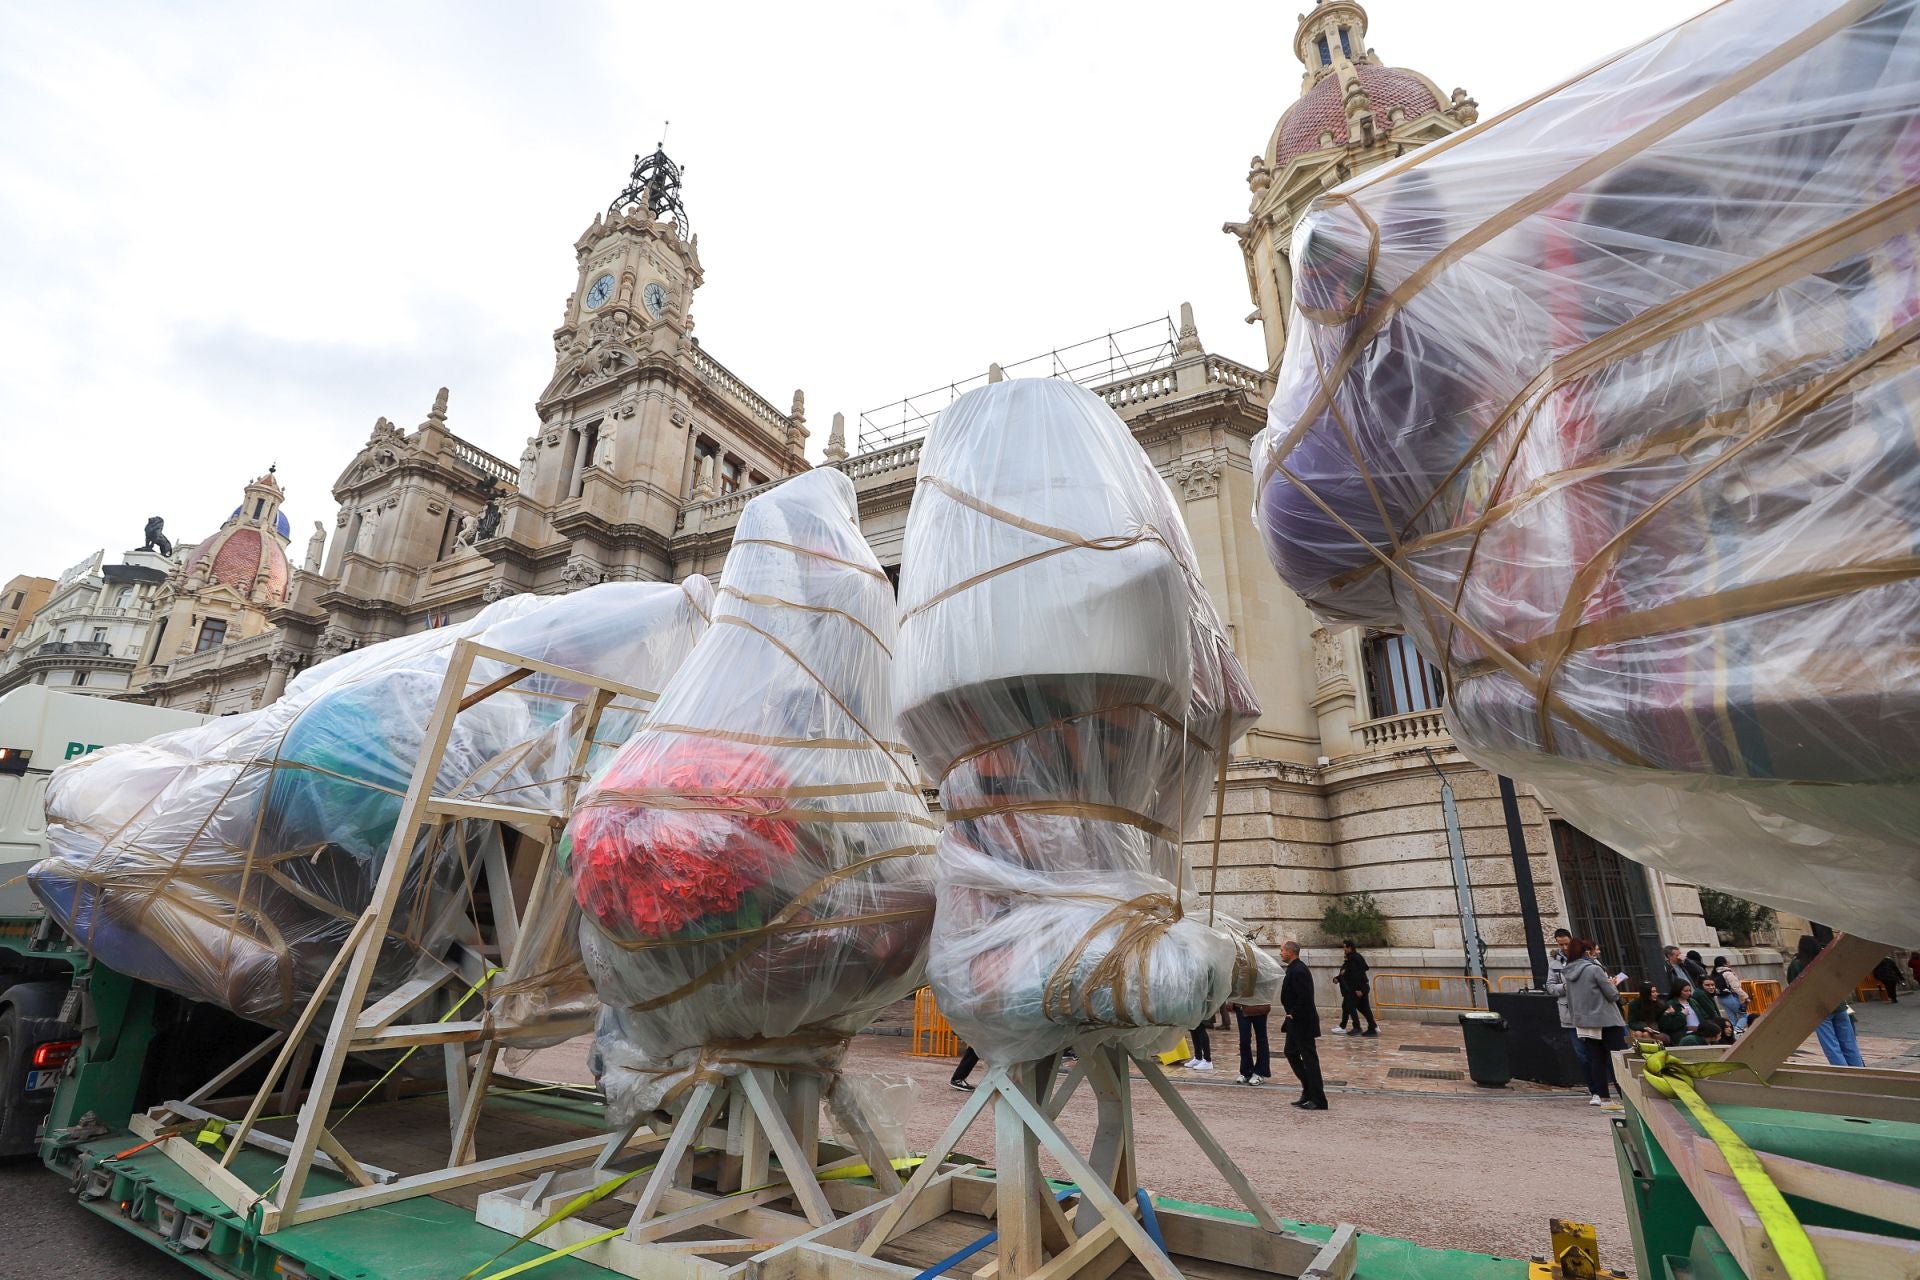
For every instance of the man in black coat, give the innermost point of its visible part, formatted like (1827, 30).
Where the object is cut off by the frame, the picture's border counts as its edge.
(1301, 1028)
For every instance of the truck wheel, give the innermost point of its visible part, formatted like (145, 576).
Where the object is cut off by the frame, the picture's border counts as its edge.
(20, 1033)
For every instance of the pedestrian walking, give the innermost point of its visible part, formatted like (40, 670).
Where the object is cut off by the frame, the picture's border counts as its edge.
(968, 1061)
(1355, 990)
(1835, 1032)
(1887, 974)
(1594, 1004)
(1255, 1066)
(1202, 1059)
(1301, 1029)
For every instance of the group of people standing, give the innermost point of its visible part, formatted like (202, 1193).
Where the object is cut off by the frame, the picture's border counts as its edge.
(1300, 1025)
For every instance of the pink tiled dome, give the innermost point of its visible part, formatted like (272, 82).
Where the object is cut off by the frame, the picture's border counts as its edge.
(232, 556)
(1321, 110)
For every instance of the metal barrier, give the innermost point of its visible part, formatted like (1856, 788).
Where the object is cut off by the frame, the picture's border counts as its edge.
(1514, 982)
(1761, 993)
(933, 1036)
(1429, 991)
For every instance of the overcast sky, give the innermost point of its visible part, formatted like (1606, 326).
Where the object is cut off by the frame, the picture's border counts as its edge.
(232, 235)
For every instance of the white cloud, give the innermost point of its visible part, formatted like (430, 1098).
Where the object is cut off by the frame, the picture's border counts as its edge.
(236, 234)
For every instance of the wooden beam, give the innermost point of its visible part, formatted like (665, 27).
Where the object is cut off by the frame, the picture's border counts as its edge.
(1235, 1244)
(1822, 987)
(564, 673)
(344, 1159)
(396, 1002)
(223, 1183)
(1016, 1168)
(419, 1033)
(366, 953)
(1156, 1264)
(1893, 1202)
(296, 1035)
(437, 1180)
(239, 1065)
(1197, 1130)
(795, 1163)
(956, 1129)
(1337, 1258)
(692, 1120)
(716, 1210)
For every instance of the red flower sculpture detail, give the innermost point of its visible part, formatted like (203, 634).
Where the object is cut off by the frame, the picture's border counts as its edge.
(649, 869)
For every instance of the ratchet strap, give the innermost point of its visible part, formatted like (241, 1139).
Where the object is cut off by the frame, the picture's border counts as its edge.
(1673, 1078)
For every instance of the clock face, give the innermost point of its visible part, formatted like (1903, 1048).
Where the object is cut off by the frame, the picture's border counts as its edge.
(655, 296)
(598, 292)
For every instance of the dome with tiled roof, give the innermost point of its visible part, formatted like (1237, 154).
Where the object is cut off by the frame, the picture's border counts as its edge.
(1321, 113)
(249, 548)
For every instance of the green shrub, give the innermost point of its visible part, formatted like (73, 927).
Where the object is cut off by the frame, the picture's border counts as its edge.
(1743, 919)
(1355, 916)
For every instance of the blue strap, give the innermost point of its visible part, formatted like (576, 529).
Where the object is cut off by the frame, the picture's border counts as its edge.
(1150, 1220)
(948, 1263)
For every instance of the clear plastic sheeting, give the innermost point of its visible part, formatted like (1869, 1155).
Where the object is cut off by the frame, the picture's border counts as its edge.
(1611, 404)
(1064, 676)
(228, 862)
(754, 869)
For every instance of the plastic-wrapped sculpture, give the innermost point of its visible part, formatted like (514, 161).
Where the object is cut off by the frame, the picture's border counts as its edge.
(1611, 405)
(1065, 678)
(228, 862)
(754, 868)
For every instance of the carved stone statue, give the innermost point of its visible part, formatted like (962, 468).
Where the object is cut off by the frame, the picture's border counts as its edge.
(529, 463)
(316, 548)
(464, 535)
(489, 522)
(156, 540)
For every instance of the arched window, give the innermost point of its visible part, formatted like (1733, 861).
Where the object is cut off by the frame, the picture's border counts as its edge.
(1326, 54)
(1346, 43)
(123, 599)
(1399, 680)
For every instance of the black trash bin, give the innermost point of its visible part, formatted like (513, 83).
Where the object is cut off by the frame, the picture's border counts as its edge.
(1487, 1061)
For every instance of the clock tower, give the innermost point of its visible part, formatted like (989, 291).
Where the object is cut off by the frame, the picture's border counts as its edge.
(637, 412)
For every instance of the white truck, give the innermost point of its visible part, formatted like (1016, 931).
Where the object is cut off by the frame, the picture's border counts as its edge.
(40, 730)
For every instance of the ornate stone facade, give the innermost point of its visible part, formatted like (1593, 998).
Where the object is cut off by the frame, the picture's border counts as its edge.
(644, 450)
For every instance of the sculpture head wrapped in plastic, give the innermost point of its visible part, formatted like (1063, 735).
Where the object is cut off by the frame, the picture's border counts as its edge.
(229, 861)
(1610, 405)
(1064, 676)
(754, 868)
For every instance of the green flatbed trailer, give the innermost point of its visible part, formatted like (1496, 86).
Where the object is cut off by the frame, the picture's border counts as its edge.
(86, 1140)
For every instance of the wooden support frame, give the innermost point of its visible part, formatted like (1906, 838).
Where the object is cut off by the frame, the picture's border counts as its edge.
(464, 1037)
(1037, 1240)
(738, 1126)
(1849, 1091)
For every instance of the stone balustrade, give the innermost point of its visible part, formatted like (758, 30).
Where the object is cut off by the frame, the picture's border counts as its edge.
(899, 457)
(742, 395)
(1231, 373)
(1414, 729)
(222, 655)
(1139, 389)
(485, 463)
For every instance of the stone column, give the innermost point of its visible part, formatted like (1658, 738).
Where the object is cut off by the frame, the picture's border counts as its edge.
(279, 666)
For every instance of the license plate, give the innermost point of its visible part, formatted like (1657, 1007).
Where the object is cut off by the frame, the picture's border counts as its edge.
(37, 1080)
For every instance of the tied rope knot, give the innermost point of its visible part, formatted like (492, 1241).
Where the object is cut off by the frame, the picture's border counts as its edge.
(1141, 923)
(1673, 1077)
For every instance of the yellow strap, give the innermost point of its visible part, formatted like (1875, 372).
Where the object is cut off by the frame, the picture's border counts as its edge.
(563, 1252)
(589, 1197)
(212, 1133)
(1674, 1078)
(900, 1165)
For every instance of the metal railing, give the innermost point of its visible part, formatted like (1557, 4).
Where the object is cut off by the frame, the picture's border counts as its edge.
(1429, 991)
(74, 649)
(933, 1036)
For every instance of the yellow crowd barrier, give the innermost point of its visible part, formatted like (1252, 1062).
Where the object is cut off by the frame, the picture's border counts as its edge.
(1429, 991)
(933, 1035)
(1761, 993)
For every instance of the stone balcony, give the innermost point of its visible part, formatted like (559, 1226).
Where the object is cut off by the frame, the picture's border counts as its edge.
(1404, 732)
